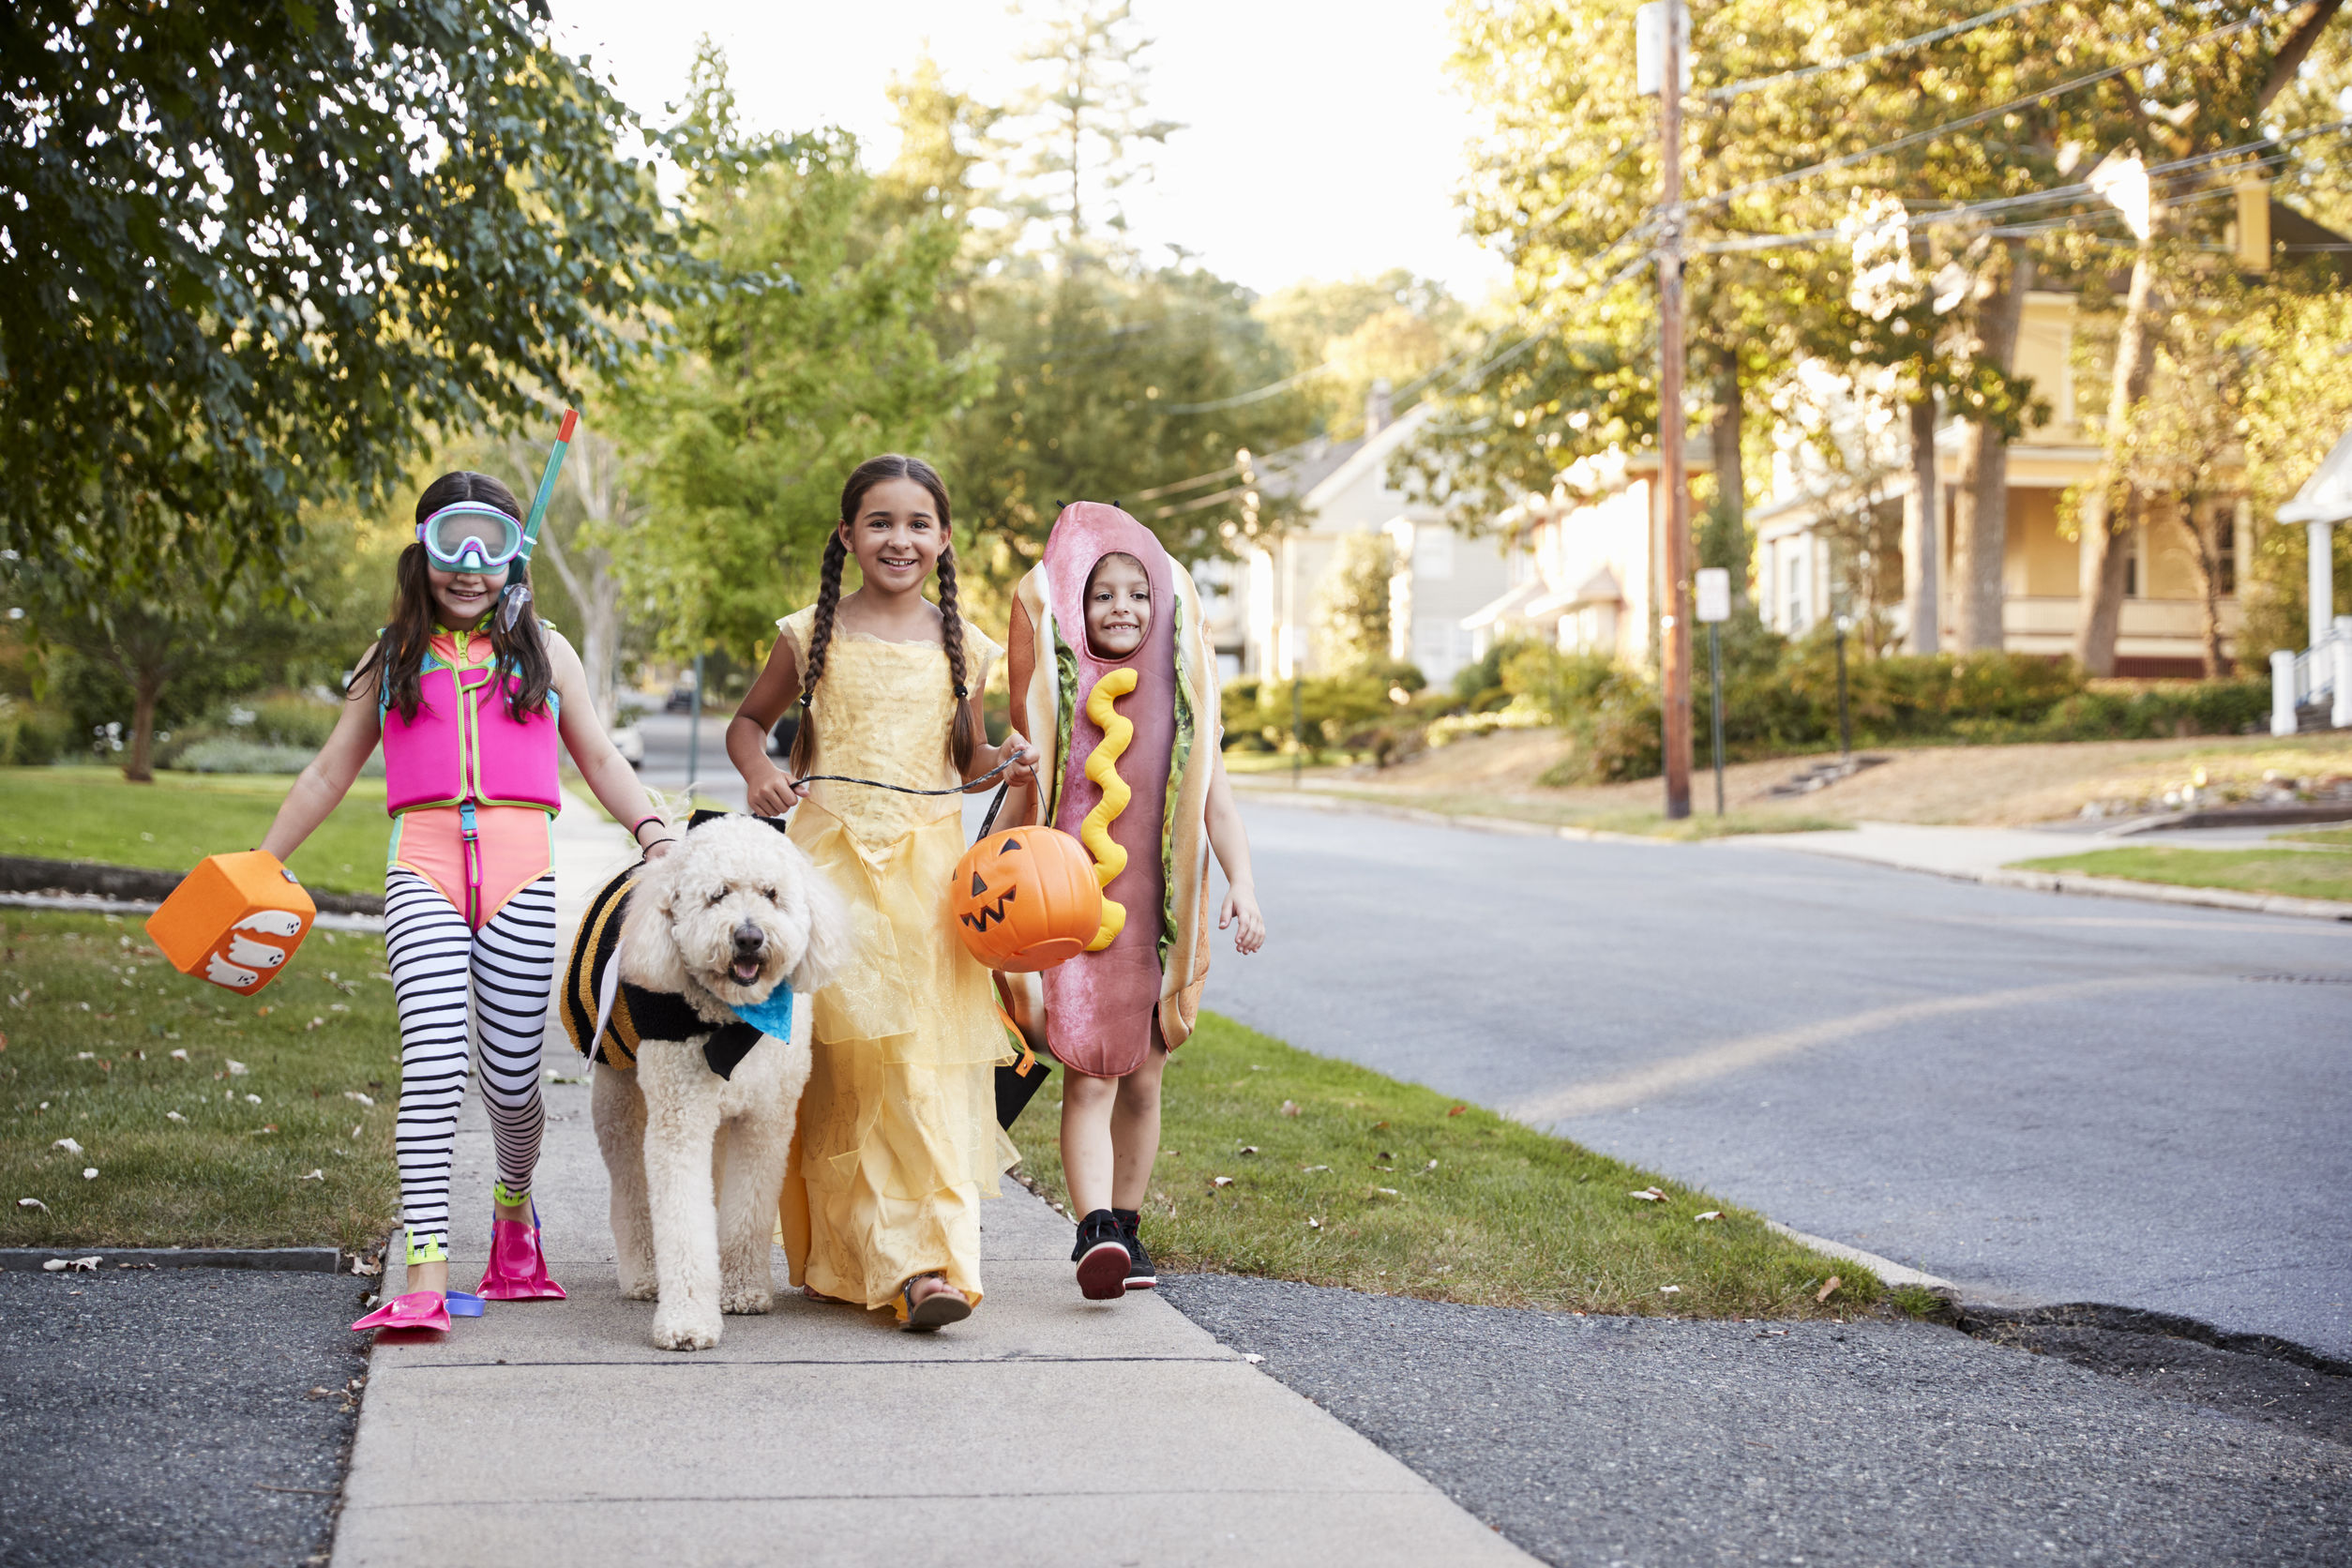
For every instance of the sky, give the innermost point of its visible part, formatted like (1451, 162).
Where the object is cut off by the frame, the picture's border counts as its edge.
(1324, 138)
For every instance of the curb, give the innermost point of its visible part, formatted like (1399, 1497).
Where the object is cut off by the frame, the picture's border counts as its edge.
(90, 878)
(93, 904)
(1888, 1270)
(2036, 882)
(294, 1260)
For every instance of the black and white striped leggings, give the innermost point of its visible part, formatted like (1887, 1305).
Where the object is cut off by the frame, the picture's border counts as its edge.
(511, 964)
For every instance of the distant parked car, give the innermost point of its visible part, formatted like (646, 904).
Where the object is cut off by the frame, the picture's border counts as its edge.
(680, 698)
(629, 741)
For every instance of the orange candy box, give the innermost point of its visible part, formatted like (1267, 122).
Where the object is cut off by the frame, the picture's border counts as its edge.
(235, 920)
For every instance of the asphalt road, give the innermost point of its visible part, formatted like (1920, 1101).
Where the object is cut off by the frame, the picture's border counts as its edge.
(1631, 1440)
(666, 753)
(2043, 1099)
(166, 1415)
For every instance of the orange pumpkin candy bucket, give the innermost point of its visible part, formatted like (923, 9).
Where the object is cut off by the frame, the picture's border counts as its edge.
(1025, 899)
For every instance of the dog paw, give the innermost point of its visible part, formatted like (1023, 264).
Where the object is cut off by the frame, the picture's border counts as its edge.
(644, 1289)
(746, 1300)
(686, 1329)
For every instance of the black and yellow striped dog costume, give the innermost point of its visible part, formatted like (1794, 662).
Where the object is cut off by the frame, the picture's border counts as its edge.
(638, 1014)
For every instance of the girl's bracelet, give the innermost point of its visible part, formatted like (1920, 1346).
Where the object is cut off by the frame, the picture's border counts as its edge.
(641, 827)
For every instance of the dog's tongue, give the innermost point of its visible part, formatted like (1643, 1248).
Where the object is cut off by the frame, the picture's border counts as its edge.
(745, 973)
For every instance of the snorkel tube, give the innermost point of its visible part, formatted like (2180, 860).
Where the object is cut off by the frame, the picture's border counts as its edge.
(515, 596)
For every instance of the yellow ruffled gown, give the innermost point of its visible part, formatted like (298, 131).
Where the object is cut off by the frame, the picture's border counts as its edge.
(896, 1140)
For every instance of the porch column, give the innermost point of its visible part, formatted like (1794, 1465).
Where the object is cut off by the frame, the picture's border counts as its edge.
(2322, 579)
(2283, 691)
(2339, 715)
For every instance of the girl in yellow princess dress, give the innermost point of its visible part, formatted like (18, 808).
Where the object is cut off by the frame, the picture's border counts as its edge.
(898, 1138)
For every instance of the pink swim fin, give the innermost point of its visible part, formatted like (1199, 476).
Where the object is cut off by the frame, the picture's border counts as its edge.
(518, 1269)
(418, 1309)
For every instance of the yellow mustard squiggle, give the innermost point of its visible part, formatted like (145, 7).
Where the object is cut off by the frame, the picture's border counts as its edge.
(1102, 767)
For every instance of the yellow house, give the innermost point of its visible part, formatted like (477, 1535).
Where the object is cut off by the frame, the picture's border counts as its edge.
(2161, 632)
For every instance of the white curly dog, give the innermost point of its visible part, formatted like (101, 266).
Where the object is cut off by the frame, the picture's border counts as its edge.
(697, 1159)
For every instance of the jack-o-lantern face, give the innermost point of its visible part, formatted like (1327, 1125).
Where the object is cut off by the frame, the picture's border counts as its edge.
(1026, 898)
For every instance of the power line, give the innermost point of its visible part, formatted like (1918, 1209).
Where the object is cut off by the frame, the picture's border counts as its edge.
(1724, 95)
(2181, 171)
(1916, 137)
(1259, 395)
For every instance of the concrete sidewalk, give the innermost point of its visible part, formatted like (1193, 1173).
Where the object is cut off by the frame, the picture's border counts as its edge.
(1986, 854)
(1045, 1430)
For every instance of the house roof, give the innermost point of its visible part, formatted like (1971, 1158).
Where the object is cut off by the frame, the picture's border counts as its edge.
(1509, 604)
(1372, 453)
(2326, 495)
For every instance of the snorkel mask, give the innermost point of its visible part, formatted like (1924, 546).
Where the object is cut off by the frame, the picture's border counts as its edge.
(475, 536)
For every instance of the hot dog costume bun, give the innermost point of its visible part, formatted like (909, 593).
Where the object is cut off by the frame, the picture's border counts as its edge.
(1152, 848)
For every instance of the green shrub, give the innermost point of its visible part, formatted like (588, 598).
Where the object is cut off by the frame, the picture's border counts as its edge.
(32, 737)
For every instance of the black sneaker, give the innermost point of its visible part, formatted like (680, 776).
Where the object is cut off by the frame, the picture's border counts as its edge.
(1100, 1257)
(1141, 1274)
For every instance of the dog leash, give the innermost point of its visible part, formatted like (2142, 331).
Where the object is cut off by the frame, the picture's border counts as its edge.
(904, 790)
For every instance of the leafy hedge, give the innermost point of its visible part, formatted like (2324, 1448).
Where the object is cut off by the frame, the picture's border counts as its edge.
(1780, 697)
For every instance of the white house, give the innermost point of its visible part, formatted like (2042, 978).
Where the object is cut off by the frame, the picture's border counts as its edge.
(1436, 579)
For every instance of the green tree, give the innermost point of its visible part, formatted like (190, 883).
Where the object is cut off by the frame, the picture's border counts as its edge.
(1076, 138)
(818, 351)
(1393, 327)
(2209, 93)
(258, 254)
(1351, 606)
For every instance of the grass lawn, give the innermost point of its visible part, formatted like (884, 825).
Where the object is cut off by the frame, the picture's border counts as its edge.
(92, 1015)
(90, 813)
(1701, 823)
(2339, 836)
(2292, 873)
(1384, 1186)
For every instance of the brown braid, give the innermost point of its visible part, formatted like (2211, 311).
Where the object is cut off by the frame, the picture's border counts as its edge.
(961, 740)
(804, 758)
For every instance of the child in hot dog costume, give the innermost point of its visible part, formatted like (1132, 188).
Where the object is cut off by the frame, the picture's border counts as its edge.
(1113, 680)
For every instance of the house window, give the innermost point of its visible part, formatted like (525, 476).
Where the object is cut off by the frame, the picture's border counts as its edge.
(1795, 601)
(2132, 567)
(2225, 557)
(1433, 554)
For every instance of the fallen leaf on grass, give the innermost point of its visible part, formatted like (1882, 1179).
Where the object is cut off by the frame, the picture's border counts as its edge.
(1289, 1107)
(1314, 1167)
(1648, 1195)
(1314, 1225)
(180, 1055)
(1823, 1294)
(86, 1056)
(89, 1173)
(1249, 1148)
(1457, 1110)
(354, 1129)
(1220, 1181)
(32, 1203)
(355, 1095)
(252, 1099)
(1669, 1290)
(174, 1116)
(314, 1176)
(1386, 1192)
(364, 1269)
(314, 1023)
(69, 1145)
(1712, 1213)
(237, 1069)
(1426, 1168)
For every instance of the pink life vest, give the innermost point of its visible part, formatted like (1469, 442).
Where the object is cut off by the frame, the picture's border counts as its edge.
(465, 745)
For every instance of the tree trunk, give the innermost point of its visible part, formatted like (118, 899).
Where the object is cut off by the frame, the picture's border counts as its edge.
(2105, 550)
(144, 690)
(1731, 487)
(2206, 547)
(1980, 525)
(1923, 547)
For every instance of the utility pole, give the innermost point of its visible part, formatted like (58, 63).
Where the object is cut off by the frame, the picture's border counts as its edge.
(1674, 619)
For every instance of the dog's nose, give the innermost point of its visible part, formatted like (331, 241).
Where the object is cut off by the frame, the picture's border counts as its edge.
(750, 940)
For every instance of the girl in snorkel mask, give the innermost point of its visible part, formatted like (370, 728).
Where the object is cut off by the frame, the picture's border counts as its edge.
(469, 693)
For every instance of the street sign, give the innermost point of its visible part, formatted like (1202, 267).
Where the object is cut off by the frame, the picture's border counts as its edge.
(1713, 584)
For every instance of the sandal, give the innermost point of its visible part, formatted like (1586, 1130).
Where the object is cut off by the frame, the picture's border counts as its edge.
(936, 1310)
